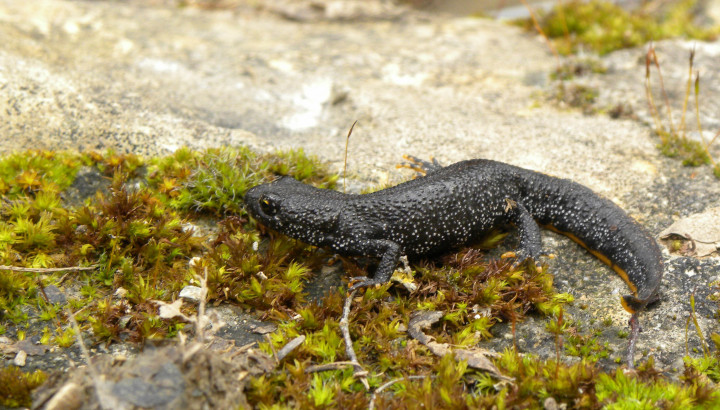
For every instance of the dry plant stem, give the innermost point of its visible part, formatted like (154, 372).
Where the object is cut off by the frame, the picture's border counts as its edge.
(328, 366)
(47, 270)
(648, 92)
(662, 88)
(717, 134)
(705, 348)
(697, 106)
(371, 405)
(635, 330)
(687, 91)
(272, 347)
(347, 142)
(42, 290)
(651, 101)
(95, 377)
(539, 29)
(200, 323)
(345, 329)
(697, 114)
(699, 125)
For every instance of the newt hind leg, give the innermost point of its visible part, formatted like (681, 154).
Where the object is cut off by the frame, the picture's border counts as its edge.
(528, 231)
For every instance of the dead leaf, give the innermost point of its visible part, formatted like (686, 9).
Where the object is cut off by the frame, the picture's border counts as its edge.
(703, 229)
(172, 310)
(476, 358)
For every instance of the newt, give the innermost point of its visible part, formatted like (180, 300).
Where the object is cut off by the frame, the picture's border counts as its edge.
(457, 205)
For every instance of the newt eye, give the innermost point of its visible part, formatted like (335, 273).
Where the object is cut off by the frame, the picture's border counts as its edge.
(268, 206)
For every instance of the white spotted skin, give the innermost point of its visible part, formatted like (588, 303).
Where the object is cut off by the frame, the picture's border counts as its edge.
(455, 206)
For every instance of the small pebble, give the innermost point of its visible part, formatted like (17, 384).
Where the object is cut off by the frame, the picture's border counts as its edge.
(120, 293)
(20, 358)
(550, 404)
(55, 295)
(195, 261)
(191, 293)
(70, 396)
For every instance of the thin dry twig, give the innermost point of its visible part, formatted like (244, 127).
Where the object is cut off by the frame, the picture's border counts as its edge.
(345, 328)
(687, 92)
(201, 318)
(329, 366)
(46, 270)
(662, 88)
(272, 347)
(347, 142)
(105, 399)
(648, 91)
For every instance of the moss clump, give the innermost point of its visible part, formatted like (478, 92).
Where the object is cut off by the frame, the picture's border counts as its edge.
(692, 153)
(603, 27)
(578, 67)
(674, 139)
(16, 386)
(575, 96)
(460, 285)
(139, 234)
(215, 180)
(32, 172)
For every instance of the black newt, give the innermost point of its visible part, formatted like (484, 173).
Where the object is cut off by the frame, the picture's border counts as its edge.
(457, 205)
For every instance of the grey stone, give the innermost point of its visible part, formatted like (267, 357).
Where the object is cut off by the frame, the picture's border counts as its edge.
(154, 390)
(55, 295)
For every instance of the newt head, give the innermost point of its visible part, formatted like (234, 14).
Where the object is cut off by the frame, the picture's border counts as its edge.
(295, 209)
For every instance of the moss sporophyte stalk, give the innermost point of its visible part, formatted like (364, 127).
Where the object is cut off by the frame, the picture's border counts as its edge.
(135, 239)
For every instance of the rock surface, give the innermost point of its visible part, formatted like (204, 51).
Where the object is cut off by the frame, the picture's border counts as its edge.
(97, 75)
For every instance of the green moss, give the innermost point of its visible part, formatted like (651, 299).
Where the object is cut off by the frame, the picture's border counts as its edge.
(578, 67)
(138, 235)
(575, 96)
(586, 346)
(16, 386)
(33, 172)
(603, 27)
(692, 153)
(214, 181)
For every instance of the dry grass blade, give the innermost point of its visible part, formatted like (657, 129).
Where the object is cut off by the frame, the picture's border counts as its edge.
(648, 91)
(539, 29)
(345, 329)
(347, 142)
(672, 130)
(687, 90)
(697, 103)
(47, 270)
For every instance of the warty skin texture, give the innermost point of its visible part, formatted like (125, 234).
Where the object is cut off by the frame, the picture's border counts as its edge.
(457, 205)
